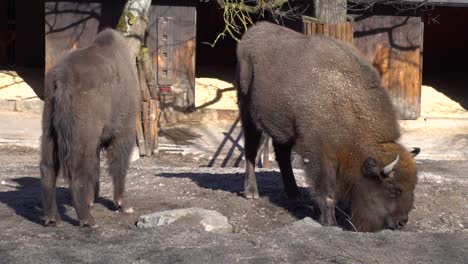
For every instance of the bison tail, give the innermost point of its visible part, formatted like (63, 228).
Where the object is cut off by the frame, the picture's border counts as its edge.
(63, 121)
(244, 75)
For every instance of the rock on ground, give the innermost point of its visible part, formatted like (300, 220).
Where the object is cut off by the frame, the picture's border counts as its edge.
(210, 220)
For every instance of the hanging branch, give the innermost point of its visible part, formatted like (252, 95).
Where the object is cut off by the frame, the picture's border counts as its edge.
(237, 14)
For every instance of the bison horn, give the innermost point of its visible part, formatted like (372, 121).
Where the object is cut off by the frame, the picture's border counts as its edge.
(387, 169)
(415, 152)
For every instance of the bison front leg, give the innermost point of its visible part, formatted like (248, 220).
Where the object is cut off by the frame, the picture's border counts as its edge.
(283, 157)
(252, 141)
(326, 191)
(49, 169)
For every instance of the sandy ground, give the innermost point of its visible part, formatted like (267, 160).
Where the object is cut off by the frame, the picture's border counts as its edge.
(13, 87)
(210, 92)
(436, 104)
(216, 93)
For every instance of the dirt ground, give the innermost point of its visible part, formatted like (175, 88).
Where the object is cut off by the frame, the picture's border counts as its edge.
(170, 181)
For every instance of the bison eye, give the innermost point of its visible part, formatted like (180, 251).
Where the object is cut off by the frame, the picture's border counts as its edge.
(393, 192)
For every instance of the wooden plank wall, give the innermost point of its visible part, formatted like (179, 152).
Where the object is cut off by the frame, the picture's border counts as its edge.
(74, 24)
(343, 31)
(394, 45)
(183, 50)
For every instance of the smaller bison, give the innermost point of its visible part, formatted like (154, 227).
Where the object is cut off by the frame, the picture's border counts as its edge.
(91, 102)
(323, 98)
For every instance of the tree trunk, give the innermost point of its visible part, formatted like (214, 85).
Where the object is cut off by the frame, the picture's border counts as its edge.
(133, 22)
(330, 11)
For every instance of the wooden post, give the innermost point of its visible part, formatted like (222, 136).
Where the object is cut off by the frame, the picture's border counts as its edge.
(332, 30)
(147, 119)
(338, 31)
(349, 30)
(145, 96)
(319, 29)
(153, 126)
(326, 30)
(140, 135)
(156, 139)
(146, 123)
(344, 33)
(145, 66)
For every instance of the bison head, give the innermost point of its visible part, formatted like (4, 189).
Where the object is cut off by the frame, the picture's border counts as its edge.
(383, 196)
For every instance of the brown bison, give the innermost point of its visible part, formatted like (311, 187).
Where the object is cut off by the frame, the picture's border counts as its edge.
(91, 102)
(323, 98)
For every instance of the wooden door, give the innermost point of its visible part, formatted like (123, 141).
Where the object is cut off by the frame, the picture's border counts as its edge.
(394, 46)
(171, 42)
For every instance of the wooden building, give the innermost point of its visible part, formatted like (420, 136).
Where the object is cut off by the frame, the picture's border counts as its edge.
(407, 47)
(170, 37)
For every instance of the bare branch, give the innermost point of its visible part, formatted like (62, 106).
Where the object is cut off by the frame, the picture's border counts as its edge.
(237, 14)
(251, 6)
(399, 5)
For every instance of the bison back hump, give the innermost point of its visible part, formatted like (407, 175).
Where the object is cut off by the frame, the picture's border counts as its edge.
(315, 84)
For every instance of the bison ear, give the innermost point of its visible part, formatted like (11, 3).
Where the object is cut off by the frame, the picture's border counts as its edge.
(415, 152)
(370, 168)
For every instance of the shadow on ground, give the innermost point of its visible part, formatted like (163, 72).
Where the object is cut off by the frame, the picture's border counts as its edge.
(25, 200)
(452, 84)
(269, 185)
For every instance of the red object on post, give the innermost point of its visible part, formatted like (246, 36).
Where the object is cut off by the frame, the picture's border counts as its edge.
(165, 90)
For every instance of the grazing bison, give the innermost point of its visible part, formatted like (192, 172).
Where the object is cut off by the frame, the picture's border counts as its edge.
(91, 104)
(320, 96)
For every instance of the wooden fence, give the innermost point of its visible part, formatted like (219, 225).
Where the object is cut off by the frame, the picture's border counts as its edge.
(342, 31)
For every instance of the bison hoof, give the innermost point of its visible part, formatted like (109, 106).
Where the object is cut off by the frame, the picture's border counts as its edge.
(88, 223)
(328, 221)
(251, 195)
(92, 226)
(128, 210)
(56, 222)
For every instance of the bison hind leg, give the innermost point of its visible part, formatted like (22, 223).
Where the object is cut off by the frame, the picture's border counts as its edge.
(252, 138)
(118, 154)
(83, 181)
(49, 167)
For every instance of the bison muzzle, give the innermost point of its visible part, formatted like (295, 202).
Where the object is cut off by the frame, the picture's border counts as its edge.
(321, 97)
(91, 102)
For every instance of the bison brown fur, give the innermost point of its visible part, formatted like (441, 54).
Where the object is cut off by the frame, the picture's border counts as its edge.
(91, 102)
(322, 97)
